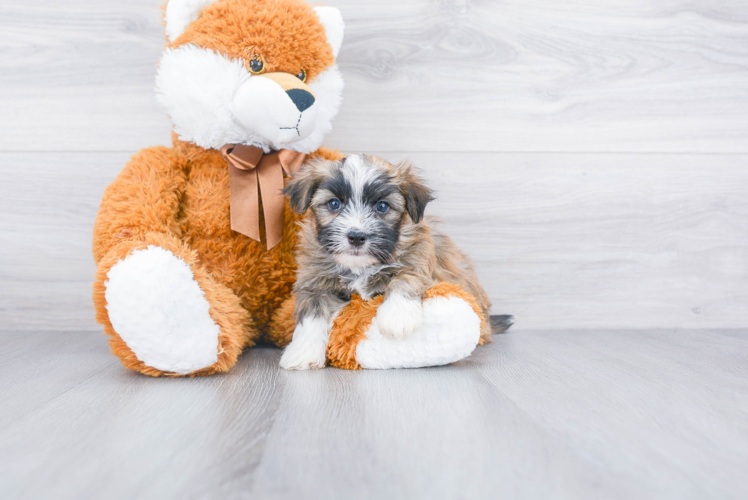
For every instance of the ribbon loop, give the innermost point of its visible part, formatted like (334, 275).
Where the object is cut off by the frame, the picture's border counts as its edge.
(291, 161)
(242, 157)
(250, 168)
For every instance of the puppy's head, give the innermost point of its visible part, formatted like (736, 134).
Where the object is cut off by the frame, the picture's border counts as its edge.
(360, 206)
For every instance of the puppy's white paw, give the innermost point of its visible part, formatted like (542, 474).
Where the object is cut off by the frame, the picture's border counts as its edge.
(308, 349)
(399, 316)
(301, 357)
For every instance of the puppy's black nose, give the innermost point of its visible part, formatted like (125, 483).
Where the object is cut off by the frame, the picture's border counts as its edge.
(301, 98)
(356, 238)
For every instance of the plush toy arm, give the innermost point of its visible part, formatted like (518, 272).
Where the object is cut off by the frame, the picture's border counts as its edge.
(144, 198)
(451, 330)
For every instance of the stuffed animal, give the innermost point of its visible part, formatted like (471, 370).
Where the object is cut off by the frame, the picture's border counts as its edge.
(194, 243)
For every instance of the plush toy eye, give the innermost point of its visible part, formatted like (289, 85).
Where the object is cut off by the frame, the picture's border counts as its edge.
(383, 207)
(302, 76)
(256, 65)
(334, 205)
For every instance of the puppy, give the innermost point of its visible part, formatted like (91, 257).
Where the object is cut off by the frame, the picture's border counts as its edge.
(366, 233)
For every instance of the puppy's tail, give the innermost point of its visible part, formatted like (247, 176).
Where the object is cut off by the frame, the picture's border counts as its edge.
(501, 323)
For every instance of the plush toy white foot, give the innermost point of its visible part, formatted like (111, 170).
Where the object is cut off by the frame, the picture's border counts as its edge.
(160, 311)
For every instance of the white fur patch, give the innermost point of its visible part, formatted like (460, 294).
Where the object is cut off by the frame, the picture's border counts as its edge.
(308, 349)
(197, 88)
(159, 310)
(356, 263)
(261, 105)
(358, 173)
(328, 90)
(332, 20)
(180, 13)
(449, 333)
(399, 316)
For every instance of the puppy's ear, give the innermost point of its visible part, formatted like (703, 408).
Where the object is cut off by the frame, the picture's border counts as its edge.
(302, 187)
(413, 189)
(300, 190)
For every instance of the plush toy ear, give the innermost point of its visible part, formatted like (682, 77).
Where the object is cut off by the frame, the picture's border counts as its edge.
(415, 192)
(180, 13)
(332, 20)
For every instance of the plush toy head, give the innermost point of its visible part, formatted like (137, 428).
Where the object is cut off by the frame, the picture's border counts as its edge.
(254, 72)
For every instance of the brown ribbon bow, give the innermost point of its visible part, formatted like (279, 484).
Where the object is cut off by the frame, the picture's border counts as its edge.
(248, 168)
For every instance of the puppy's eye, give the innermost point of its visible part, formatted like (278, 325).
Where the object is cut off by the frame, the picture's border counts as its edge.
(256, 65)
(302, 76)
(334, 205)
(383, 207)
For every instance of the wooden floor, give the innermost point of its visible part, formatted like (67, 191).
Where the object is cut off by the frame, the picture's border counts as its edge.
(592, 157)
(537, 414)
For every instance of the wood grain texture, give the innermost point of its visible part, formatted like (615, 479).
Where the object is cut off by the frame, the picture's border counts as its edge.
(595, 241)
(48, 203)
(451, 75)
(560, 241)
(562, 414)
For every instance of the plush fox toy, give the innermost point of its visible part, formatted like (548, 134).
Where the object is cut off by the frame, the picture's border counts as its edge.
(194, 243)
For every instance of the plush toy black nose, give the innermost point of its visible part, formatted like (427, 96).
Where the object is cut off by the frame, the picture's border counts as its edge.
(301, 98)
(356, 238)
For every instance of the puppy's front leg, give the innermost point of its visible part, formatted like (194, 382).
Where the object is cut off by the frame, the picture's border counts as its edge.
(308, 348)
(401, 313)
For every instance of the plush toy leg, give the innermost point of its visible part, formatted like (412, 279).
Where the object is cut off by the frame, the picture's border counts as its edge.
(164, 313)
(282, 324)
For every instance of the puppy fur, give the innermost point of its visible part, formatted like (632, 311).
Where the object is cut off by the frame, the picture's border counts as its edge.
(402, 254)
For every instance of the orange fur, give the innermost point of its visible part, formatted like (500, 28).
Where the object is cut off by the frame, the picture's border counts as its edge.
(348, 329)
(287, 35)
(283, 324)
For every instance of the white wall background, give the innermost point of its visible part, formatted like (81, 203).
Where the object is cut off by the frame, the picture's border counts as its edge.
(592, 156)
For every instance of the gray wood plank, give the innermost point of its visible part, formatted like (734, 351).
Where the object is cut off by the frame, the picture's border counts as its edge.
(518, 75)
(137, 436)
(48, 204)
(620, 241)
(548, 417)
(536, 414)
(79, 75)
(68, 360)
(560, 241)
(654, 398)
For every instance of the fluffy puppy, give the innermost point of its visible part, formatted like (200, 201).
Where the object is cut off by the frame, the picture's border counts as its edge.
(366, 233)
